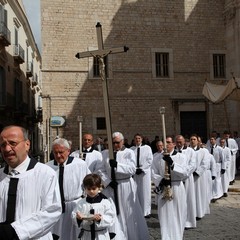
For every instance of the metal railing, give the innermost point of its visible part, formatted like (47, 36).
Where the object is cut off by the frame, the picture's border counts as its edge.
(5, 32)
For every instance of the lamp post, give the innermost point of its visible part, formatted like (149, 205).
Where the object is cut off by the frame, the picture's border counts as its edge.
(80, 120)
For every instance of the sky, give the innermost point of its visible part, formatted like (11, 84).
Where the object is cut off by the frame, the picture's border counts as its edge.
(32, 8)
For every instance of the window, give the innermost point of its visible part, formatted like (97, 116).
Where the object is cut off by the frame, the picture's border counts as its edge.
(2, 86)
(18, 93)
(101, 123)
(96, 66)
(162, 63)
(219, 66)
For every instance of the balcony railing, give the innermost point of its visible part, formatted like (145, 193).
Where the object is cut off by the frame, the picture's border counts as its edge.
(29, 70)
(18, 53)
(5, 35)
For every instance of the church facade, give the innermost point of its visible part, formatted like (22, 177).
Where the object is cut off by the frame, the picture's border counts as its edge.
(174, 47)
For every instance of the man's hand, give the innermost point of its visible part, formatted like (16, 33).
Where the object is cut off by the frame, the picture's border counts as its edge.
(7, 232)
(113, 163)
(168, 159)
(195, 174)
(165, 182)
(139, 171)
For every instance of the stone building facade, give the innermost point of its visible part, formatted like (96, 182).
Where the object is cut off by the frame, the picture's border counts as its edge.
(20, 63)
(184, 36)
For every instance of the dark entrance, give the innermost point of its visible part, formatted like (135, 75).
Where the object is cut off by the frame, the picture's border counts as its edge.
(193, 122)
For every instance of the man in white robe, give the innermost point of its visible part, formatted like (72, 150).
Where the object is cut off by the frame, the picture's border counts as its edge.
(227, 159)
(189, 181)
(92, 157)
(156, 157)
(200, 178)
(37, 204)
(132, 224)
(144, 158)
(171, 213)
(232, 144)
(216, 151)
(71, 172)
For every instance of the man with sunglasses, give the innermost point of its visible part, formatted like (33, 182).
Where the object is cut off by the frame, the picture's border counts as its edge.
(30, 201)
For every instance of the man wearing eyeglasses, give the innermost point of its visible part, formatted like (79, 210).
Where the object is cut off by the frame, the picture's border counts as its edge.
(132, 222)
(92, 157)
(30, 201)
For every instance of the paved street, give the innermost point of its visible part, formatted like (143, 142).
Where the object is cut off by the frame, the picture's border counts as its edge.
(222, 224)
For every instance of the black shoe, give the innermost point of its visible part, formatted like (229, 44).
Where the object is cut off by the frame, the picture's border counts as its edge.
(148, 216)
(225, 195)
(213, 200)
(231, 183)
(198, 218)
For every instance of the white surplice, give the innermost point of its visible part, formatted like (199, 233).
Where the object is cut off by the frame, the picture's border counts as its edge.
(38, 203)
(74, 174)
(132, 224)
(225, 177)
(189, 187)
(108, 212)
(143, 180)
(172, 214)
(93, 159)
(200, 182)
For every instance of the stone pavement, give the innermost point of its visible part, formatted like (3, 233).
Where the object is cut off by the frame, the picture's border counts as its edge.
(223, 223)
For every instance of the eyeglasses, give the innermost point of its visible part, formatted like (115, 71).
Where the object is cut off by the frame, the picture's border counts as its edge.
(169, 142)
(12, 144)
(116, 142)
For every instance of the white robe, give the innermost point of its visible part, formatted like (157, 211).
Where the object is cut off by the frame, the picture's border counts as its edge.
(211, 172)
(232, 144)
(132, 222)
(93, 159)
(200, 182)
(225, 177)
(189, 187)
(38, 203)
(217, 190)
(73, 190)
(143, 180)
(172, 213)
(106, 208)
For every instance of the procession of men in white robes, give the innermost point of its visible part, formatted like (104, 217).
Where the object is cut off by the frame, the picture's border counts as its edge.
(197, 176)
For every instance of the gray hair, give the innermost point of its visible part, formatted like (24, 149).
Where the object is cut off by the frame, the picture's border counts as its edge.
(118, 134)
(61, 141)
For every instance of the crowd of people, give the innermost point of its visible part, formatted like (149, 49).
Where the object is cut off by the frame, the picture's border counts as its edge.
(96, 194)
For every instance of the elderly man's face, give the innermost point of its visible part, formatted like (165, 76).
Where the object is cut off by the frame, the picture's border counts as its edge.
(87, 140)
(61, 153)
(117, 143)
(14, 147)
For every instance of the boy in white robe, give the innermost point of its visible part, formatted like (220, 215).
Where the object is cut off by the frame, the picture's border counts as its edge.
(95, 213)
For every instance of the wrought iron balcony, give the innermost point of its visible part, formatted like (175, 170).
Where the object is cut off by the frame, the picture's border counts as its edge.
(5, 35)
(18, 53)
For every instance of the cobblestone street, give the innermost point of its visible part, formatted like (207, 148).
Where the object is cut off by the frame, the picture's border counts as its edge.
(223, 223)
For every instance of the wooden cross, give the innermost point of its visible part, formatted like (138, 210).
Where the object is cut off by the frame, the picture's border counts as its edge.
(100, 54)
